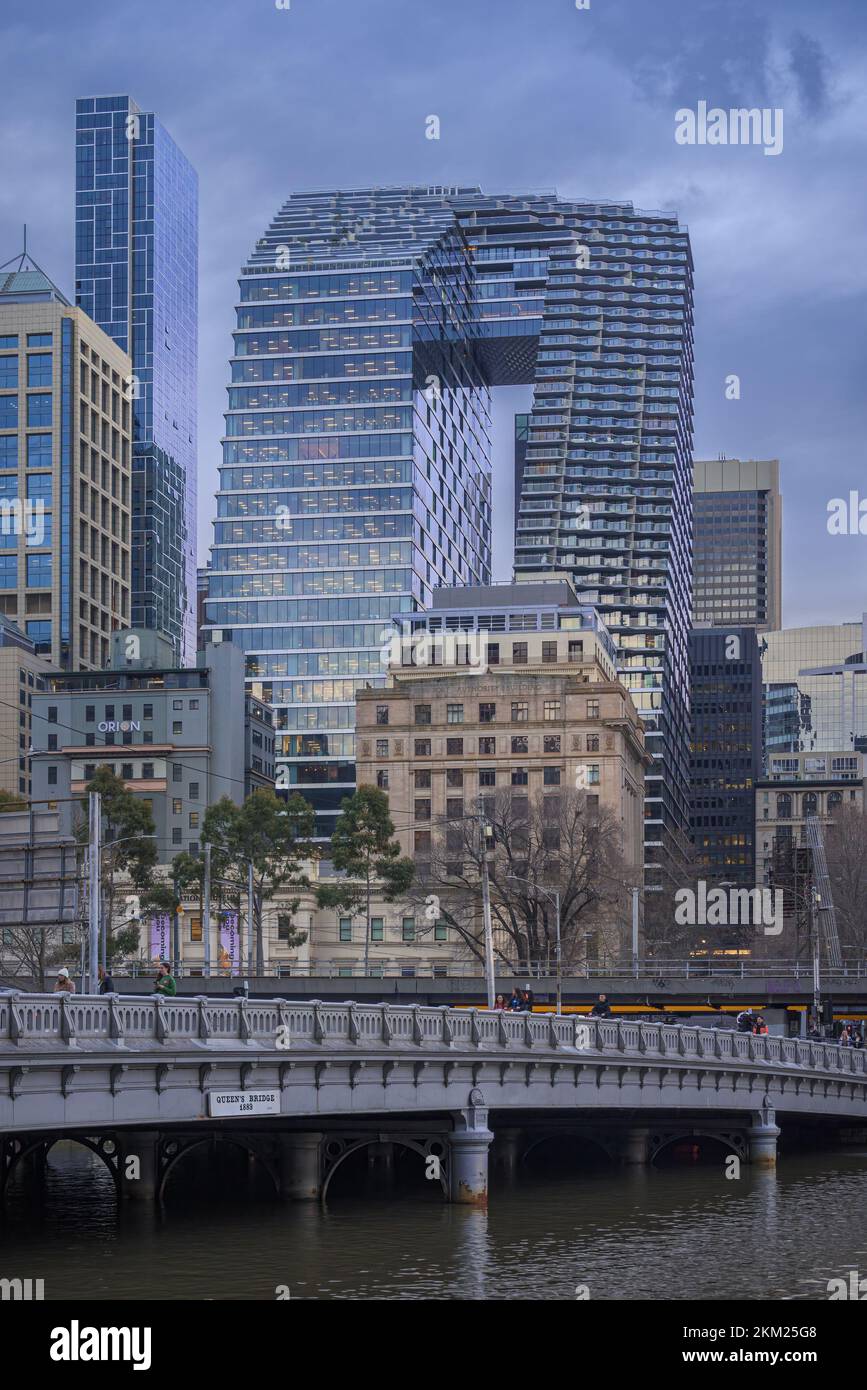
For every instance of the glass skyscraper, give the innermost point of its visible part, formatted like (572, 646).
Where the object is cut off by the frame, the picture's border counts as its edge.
(737, 555)
(356, 474)
(136, 271)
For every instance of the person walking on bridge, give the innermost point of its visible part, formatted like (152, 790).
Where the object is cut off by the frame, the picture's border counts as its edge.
(63, 984)
(165, 982)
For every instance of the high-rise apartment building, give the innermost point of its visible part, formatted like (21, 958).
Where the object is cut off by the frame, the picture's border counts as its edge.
(737, 555)
(65, 473)
(356, 475)
(136, 258)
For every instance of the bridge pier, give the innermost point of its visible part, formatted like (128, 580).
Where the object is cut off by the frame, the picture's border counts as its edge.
(762, 1139)
(632, 1146)
(138, 1165)
(300, 1167)
(506, 1151)
(469, 1145)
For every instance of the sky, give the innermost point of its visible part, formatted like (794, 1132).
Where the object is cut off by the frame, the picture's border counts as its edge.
(530, 94)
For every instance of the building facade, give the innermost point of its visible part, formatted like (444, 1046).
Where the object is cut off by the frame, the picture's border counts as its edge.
(726, 753)
(182, 738)
(737, 557)
(136, 273)
(814, 691)
(65, 473)
(356, 474)
(22, 674)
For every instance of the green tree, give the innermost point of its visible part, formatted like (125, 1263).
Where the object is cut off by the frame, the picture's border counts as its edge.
(268, 832)
(130, 855)
(363, 848)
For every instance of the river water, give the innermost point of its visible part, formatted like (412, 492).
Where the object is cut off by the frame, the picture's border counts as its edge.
(683, 1232)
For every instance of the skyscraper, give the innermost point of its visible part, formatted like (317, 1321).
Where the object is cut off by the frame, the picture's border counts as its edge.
(356, 473)
(737, 556)
(65, 473)
(136, 258)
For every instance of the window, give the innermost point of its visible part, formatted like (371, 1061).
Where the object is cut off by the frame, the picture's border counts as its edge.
(344, 929)
(441, 932)
(576, 650)
(549, 651)
(454, 714)
(592, 774)
(52, 777)
(52, 743)
(8, 413)
(39, 369)
(454, 747)
(127, 712)
(487, 713)
(422, 748)
(382, 747)
(194, 704)
(52, 714)
(519, 653)
(592, 709)
(487, 777)
(422, 778)
(520, 743)
(177, 805)
(176, 835)
(519, 777)
(39, 340)
(422, 714)
(552, 777)
(376, 929)
(177, 772)
(148, 712)
(39, 451)
(194, 820)
(592, 743)
(38, 408)
(39, 571)
(147, 772)
(9, 373)
(551, 743)
(382, 779)
(455, 807)
(382, 714)
(177, 726)
(408, 929)
(454, 777)
(487, 746)
(493, 653)
(195, 922)
(551, 710)
(89, 713)
(177, 704)
(520, 711)
(422, 808)
(421, 842)
(126, 772)
(784, 806)
(194, 791)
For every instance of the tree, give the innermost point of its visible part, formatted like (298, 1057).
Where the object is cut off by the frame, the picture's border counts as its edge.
(11, 801)
(129, 855)
(846, 853)
(268, 832)
(363, 849)
(559, 843)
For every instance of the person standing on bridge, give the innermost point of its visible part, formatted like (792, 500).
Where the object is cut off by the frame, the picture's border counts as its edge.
(63, 984)
(165, 981)
(106, 983)
(602, 1008)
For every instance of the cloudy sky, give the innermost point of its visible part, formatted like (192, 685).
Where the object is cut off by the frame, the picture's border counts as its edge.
(530, 94)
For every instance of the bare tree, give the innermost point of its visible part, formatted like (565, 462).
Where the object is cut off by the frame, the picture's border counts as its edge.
(558, 843)
(846, 853)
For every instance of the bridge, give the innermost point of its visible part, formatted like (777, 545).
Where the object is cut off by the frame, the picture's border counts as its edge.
(302, 1085)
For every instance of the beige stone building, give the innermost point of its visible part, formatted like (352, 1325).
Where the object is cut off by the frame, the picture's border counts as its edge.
(21, 675)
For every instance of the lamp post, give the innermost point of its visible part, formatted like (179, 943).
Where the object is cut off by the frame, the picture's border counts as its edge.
(554, 895)
(97, 850)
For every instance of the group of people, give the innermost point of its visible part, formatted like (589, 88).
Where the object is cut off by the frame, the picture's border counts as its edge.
(851, 1035)
(521, 1001)
(164, 983)
(747, 1022)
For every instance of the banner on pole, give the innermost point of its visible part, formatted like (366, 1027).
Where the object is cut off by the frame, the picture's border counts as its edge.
(160, 938)
(229, 956)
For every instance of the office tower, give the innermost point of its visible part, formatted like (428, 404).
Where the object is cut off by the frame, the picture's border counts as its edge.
(65, 473)
(21, 673)
(136, 259)
(356, 471)
(814, 682)
(182, 738)
(726, 754)
(737, 553)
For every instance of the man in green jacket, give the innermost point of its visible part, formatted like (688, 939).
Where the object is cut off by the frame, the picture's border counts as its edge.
(165, 981)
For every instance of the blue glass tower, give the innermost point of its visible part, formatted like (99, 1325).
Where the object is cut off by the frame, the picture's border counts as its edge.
(356, 473)
(136, 273)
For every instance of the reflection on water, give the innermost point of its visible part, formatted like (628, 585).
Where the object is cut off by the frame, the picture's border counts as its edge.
(678, 1233)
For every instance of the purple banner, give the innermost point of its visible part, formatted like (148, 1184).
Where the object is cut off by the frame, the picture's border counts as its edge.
(229, 955)
(160, 936)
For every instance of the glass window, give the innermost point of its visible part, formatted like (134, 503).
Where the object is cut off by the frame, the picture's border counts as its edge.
(592, 709)
(382, 747)
(39, 571)
(39, 486)
(551, 710)
(8, 449)
(487, 713)
(519, 777)
(454, 714)
(549, 651)
(38, 409)
(441, 932)
(422, 714)
(552, 776)
(345, 929)
(454, 747)
(382, 779)
(382, 714)
(177, 726)
(8, 412)
(592, 743)
(376, 929)
(9, 571)
(39, 340)
(520, 744)
(408, 929)
(551, 743)
(9, 373)
(487, 746)
(492, 651)
(422, 808)
(422, 747)
(39, 369)
(520, 711)
(454, 777)
(421, 778)
(519, 653)
(487, 777)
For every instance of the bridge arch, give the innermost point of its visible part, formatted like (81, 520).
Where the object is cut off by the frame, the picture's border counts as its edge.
(728, 1141)
(575, 1136)
(433, 1147)
(172, 1151)
(22, 1147)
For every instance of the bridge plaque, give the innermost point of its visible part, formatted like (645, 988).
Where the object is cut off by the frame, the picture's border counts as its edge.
(243, 1103)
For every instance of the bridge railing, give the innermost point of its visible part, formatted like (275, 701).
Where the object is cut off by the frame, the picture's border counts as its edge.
(43, 1023)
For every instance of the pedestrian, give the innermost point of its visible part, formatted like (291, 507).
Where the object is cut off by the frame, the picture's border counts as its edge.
(514, 1004)
(165, 981)
(602, 1008)
(500, 1001)
(744, 1021)
(106, 983)
(63, 984)
(527, 1001)
(760, 1028)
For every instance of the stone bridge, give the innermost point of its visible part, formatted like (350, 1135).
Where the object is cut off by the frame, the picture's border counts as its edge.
(303, 1085)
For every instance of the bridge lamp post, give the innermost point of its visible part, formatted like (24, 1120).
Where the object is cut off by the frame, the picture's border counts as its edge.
(96, 888)
(554, 895)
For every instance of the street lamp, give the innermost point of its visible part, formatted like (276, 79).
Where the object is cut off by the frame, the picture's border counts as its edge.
(99, 931)
(554, 895)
